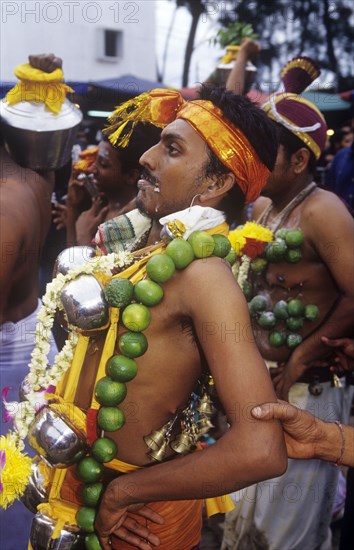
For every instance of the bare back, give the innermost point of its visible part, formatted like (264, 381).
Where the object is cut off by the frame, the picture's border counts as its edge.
(25, 219)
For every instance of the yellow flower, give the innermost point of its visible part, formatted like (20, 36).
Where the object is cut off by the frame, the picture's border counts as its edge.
(251, 230)
(16, 471)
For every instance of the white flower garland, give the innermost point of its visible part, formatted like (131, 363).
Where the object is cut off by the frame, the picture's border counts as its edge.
(241, 268)
(40, 375)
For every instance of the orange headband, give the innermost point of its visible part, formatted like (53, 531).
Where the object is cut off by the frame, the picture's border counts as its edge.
(230, 145)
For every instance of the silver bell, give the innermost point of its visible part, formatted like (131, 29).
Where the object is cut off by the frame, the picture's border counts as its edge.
(35, 492)
(55, 439)
(84, 303)
(42, 532)
(73, 257)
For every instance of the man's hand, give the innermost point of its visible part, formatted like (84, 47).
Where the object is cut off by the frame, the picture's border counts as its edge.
(116, 520)
(285, 376)
(45, 62)
(302, 430)
(88, 222)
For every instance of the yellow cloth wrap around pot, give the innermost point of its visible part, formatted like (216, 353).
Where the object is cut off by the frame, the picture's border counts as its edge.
(40, 87)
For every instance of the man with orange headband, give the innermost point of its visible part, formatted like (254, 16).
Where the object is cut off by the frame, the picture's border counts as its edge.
(307, 285)
(214, 154)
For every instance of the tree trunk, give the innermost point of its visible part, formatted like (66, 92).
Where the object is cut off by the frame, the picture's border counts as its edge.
(190, 45)
(332, 60)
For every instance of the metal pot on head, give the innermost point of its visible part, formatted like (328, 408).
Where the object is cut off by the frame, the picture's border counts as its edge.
(37, 138)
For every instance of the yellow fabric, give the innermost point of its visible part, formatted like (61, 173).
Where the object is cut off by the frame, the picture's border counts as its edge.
(108, 350)
(68, 383)
(39, 86)
(218, 505)
(63, 512)
(229, 144)
(160, 107)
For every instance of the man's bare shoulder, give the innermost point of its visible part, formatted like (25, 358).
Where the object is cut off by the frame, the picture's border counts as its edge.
(259, 206)
(325, 205)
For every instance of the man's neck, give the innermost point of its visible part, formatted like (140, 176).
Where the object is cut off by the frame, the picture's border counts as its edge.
(281, 200)
(154, 235)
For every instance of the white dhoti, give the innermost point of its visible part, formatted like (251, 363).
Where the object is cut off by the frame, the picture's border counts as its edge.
(292, 512)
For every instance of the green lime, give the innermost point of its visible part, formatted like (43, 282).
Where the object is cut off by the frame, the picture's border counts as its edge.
(294, 323)
(293, 340)
(280, 310)
(110, 419)
(222, 246)
(280, 233)
(231, 257)
(121, 368)
(92, 542)
(258, 303)
(89, 470)
(119, 292)
(277, 339)
(311, 312)
(85, 518)
(247, 290)
(91, 493)
(293, 255)
(258, 265)
(148, 293)
(276, 250)
(136, 317)
(267, 320)
(104, 449)
(110, 393)
(181, 253)
(294, 238)
(202, 243)
(296, 308)
(133, 344)
(160, 268)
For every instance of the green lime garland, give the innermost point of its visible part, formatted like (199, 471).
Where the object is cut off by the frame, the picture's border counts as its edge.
(110, 391)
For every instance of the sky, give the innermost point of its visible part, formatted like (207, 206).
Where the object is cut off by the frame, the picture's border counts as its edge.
(205, 56)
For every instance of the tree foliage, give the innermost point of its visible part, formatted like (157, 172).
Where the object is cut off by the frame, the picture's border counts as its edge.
(321, 29)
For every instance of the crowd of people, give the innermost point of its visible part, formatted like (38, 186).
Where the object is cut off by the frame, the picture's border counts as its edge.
(203, 166)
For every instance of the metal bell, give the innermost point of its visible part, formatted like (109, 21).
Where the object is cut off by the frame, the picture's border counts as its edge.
(315, 388)
(159, 454)
(183, 443)
(204, 425)
(157, 437)
(336, 383)
(205, 405)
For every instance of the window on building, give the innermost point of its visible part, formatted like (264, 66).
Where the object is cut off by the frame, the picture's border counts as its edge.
(110, 44)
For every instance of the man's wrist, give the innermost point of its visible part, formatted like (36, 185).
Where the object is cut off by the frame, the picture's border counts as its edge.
(329, 441)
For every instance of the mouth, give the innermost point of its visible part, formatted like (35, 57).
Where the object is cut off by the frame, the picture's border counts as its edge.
(148, 180)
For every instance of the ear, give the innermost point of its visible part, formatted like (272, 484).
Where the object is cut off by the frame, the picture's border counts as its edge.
(300, 160)
(217, 187)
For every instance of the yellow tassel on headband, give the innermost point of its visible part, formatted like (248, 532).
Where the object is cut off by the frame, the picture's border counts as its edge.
(161, 107)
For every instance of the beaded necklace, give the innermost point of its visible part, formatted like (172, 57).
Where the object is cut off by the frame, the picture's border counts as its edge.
(279, 220)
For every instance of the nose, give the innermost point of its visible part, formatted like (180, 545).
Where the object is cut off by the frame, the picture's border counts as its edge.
(148, 159)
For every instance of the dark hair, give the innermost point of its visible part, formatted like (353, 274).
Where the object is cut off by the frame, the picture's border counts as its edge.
(258, 128)
(143, 137)
(291, 144)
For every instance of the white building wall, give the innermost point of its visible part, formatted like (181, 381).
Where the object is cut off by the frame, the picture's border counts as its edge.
(71, 29)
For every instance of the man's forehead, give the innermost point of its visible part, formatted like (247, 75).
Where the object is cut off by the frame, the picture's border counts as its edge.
(180, 130)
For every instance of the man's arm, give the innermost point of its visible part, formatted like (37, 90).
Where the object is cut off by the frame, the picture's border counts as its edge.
(249, 451)
(334, 244)
(309, 437)
(236, 80)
